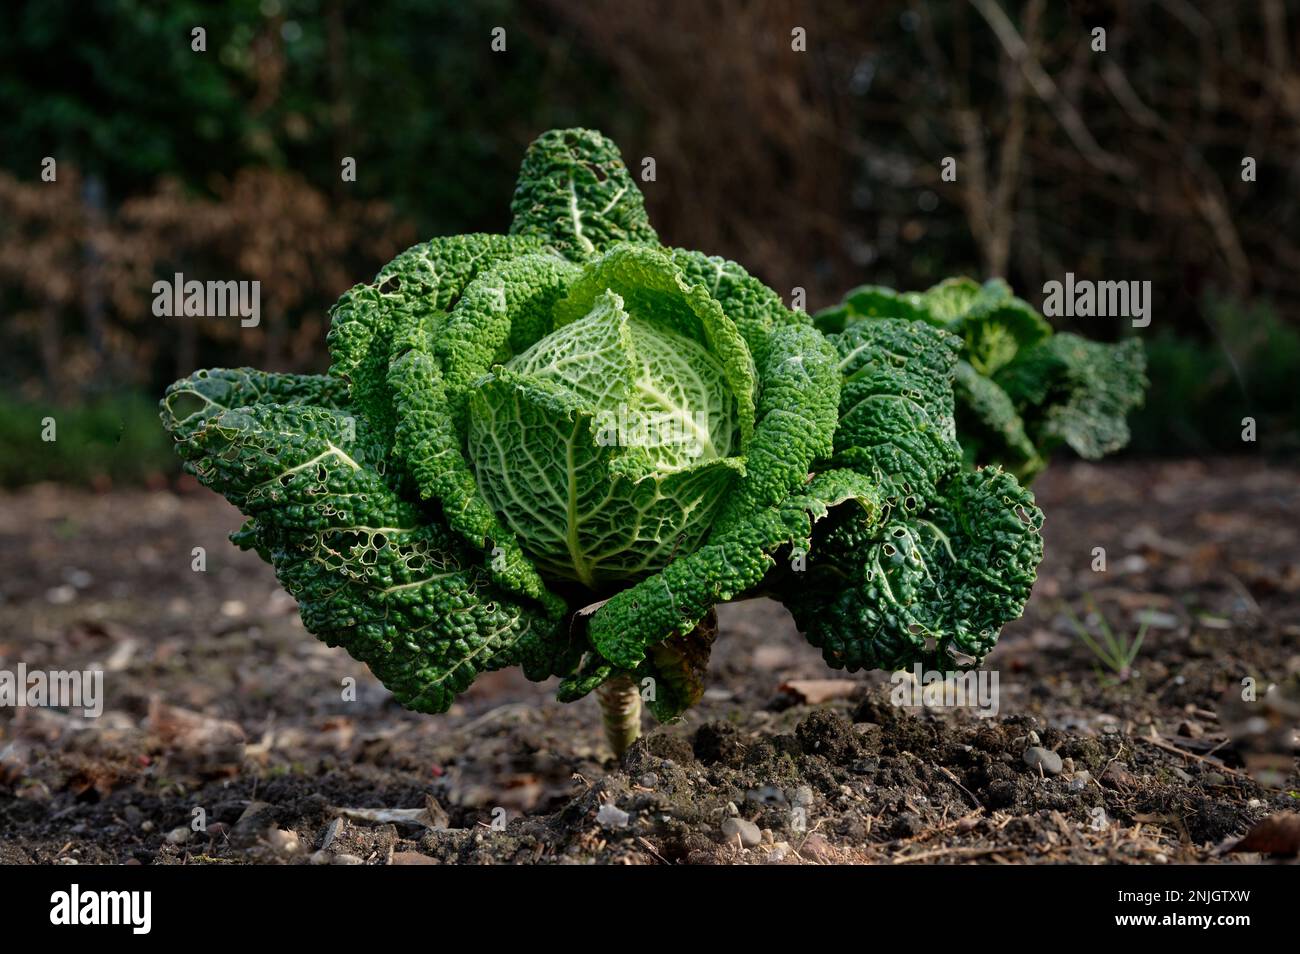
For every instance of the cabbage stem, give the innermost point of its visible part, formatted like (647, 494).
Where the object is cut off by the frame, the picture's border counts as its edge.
(620, 709)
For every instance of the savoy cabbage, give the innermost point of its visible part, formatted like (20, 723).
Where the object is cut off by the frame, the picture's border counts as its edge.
(562, 447)
(1021, 390)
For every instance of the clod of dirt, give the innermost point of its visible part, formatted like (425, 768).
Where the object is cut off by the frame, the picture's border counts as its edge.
(827, 733)
(719, 742)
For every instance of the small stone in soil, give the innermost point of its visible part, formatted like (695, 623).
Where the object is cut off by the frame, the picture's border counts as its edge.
(738, 828)
(1038, 757)
(178, 836)
(611, 816)
(283, 841)
(332, 831)
(347, 860)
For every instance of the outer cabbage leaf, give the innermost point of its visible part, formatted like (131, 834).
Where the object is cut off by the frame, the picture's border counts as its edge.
(990, 426)
(188, 404)
(1078, 392)
(796, 422)
(1021, 391)
(950, 556)
(896, 407)
(575, 193)
(923, 587)
(414, 290)
(432, 368)
(756, 309)
(370, 572)
(870, 301)
(997, 329)
(947, 302)
(679, 667)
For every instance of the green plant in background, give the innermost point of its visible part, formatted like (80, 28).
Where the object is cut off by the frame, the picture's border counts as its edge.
(112, 437)
(1021, 390)
(1205, 387)
(1117, 651)
(562, 447)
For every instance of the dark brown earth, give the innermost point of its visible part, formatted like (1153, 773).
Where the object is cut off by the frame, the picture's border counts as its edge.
(218, 700)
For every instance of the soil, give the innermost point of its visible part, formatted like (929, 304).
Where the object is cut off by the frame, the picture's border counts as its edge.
(219, 708)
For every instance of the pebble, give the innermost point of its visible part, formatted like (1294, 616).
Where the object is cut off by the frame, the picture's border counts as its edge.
(347, 860)
(321, 857)
(649, 780)
(283, 841)
(256, 818)
(61, 595)
(1079, 781)
(178, 836)
(778, 853)
(1215, 778)
(803, 795)
(1038, 757)
(611, 816)
(746, 831)
(332, 831)
(78, 578)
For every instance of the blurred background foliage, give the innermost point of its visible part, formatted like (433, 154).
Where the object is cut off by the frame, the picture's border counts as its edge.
(818, 170)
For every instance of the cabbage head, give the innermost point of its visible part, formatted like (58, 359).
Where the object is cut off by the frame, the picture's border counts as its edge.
(561, 447)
